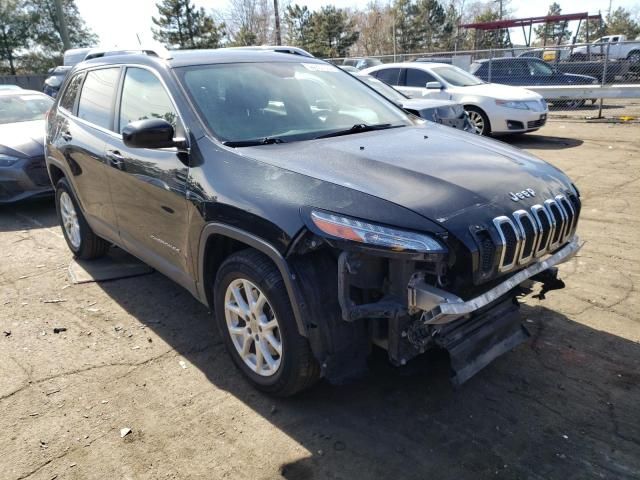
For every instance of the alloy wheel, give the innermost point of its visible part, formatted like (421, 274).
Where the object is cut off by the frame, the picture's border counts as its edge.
(253, 327)
(70, 221)
(477, 122)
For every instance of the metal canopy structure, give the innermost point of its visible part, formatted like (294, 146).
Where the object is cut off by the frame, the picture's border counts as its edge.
(530, 21)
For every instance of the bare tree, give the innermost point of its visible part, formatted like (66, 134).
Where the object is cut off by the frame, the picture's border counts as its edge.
(250, 22)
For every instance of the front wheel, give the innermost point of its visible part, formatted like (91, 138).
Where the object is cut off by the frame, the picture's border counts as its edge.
(479, 121)
(80, 239)
(634, 57)
(256, 321)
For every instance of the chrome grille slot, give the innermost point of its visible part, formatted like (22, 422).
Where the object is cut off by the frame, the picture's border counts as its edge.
(529, 232)
(557, 214)
(570, 214)
(510, 241)
(532, 233)
(545, 227)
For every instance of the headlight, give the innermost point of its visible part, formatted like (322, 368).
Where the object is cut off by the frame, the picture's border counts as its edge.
(348, 228)
(512, 104)
(7, 160)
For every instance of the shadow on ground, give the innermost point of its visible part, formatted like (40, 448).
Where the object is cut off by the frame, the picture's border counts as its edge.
(28, 214)
(564, 405)
(541, 142)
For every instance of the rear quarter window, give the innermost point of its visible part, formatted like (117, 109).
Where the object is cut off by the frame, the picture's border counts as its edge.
(97, 96)
(68, 99)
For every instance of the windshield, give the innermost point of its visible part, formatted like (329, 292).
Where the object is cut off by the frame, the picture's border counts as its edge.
(456, 76)
(382, 88)
(23, 108)
(288, 101)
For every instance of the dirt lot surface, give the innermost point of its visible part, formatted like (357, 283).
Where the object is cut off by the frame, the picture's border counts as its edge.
(141, 353)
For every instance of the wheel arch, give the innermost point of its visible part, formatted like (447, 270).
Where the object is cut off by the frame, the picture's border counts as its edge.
(55, 174)
(218, 241)
(476, 106)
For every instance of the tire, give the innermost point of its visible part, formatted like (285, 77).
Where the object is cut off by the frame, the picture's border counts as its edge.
(479, 121)
(291, 370)
(80, 239)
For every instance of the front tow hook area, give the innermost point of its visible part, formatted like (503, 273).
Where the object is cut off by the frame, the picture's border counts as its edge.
(474, 343)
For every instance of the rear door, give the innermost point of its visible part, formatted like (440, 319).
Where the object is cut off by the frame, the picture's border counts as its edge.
(149, 185)
(81, 130)
(390, 76)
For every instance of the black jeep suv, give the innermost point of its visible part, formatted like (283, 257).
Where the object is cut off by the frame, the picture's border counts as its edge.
(316, 218)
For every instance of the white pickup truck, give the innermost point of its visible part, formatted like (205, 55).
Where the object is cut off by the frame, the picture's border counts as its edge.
(619, 49)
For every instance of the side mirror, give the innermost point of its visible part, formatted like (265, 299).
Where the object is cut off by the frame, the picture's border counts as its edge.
(149, 133)
(434, 86)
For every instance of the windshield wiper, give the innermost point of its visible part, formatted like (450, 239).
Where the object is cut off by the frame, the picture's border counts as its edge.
(359, 128)
(253, 143)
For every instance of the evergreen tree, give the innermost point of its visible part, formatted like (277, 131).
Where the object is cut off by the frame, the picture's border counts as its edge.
(181, 25)
(298, 24)
(333, 32)
(553, 32)
(620, 22)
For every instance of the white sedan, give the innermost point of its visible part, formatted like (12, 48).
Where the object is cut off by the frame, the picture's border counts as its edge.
(492, 108)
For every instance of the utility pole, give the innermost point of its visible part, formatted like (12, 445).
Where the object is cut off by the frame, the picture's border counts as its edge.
(277, 12)
(62, 22)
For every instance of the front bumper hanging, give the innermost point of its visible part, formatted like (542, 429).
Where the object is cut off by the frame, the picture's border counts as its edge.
(439, 306)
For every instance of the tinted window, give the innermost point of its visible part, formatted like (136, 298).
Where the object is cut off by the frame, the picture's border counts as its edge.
(389, 75)
(143, 96)
(540, 68)
(68, 100)
(97, 96)
(418, 78)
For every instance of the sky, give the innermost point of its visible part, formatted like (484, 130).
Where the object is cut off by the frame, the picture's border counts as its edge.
(118, 21)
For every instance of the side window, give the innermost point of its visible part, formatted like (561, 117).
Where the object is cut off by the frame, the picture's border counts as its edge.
(389, 75)
(68, 99)
(418, 78)
(144, 96)
(97, 96)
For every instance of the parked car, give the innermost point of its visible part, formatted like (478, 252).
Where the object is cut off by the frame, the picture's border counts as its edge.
(447, 60)
(348, 68)
(74, 56)
(617, 46)
(10, 87)
(22, 169)
(492, 108)
(54, 80)
(527, 72)
(445, 112)
(314, 230)
(361, 63)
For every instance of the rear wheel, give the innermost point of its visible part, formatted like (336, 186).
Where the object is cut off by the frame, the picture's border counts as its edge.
(78, 234)
(255, 319)
(479, 121)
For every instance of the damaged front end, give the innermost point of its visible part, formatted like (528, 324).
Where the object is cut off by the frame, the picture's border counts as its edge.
(403, 301)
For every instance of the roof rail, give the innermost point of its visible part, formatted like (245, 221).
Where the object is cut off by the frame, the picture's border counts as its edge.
(275, 48)
(155, 50)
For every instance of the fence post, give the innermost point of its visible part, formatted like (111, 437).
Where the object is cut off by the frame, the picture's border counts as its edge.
(604, 78)
(490, 61)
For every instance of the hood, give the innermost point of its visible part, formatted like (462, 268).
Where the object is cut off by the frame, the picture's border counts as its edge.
(497, 91)
(436, 171)
(25, 139)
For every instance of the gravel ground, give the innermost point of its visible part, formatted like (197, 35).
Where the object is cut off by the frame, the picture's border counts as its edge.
(141, 353)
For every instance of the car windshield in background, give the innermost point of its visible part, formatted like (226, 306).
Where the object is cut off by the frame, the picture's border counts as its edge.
(457, 77)
(23, 108)
(383, 89)
(254, 103)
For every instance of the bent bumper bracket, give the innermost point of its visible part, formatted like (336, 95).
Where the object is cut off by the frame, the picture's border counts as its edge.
(439, 306)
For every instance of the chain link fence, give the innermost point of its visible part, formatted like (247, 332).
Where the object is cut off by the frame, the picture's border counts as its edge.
(597, 80)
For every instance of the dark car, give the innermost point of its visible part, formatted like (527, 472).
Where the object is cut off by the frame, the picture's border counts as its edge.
(314, 229)
(361, 63)
(445, 112)
(22, 169)
(526, 72)
(54, 80)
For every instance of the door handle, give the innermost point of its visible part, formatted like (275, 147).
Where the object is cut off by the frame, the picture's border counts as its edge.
(116, 160)
(66, 136)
